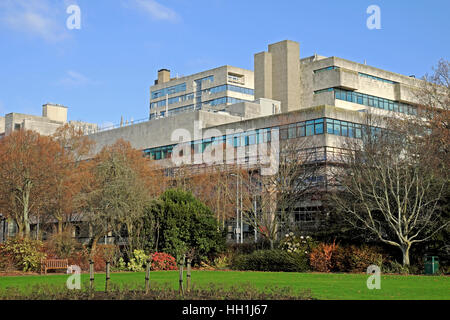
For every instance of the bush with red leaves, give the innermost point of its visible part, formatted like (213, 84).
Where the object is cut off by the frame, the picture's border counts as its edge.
(163, 261)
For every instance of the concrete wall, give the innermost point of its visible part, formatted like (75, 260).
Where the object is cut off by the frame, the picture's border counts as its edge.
(220, 78)
(159, 132)
(281, 81)
(263, 75)
(54, 112)
(2, 125)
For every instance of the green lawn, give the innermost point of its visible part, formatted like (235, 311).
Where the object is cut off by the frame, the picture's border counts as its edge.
(322, 286)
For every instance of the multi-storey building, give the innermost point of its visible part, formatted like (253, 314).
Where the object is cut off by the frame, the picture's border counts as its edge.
(209, 90)
(320, 101)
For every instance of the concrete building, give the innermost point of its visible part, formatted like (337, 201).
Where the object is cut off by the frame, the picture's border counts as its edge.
(209, 90)
(318, 100)
(321, 100)
(53, 117)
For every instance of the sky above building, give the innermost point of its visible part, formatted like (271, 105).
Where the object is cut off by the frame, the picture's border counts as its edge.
(104, 69)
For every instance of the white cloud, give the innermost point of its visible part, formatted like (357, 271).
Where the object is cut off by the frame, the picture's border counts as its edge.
(74, 78)
(34, 17)
(156, 10)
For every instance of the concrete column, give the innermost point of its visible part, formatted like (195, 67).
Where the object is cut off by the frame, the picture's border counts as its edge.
(263, 75)
(286, 74)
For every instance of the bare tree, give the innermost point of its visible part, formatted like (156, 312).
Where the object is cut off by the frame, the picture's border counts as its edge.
(392, 182)
(280, 194)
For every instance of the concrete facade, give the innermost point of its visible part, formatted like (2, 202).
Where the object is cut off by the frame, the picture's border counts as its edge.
(53, 117)
(208, 90)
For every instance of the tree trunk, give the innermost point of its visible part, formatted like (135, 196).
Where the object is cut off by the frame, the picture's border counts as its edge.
(60, 226)
(405, 251)
(271, 244)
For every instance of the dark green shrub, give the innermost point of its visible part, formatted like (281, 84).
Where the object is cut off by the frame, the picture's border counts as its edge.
(181, 223)
(271, 260)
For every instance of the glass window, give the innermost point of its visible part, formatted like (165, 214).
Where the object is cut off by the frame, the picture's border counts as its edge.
(319, 126)
(351, 131)
(291, 131)
(301, 130)
(309, 128)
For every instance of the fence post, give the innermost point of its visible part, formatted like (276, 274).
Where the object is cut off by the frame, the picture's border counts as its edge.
(147, 275)
(181, 275)
(188, 276)
(107, 275)
(91, 274)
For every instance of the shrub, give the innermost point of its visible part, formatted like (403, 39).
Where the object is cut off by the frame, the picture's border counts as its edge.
(138, 261)
(321, 257)
(163, 261)
(356, 259)
(23, 254)
(271, 260)
(159, 292)
(293, 243)
(62, 246)
(186, 223)
(395, 267)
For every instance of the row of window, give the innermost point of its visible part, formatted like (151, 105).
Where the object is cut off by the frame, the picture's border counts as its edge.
(325, 69)
(222, 100)
(168, 91)
(365, 75)
(229, 87)
(172, 112)
(376, 102)
(258, 136)
(213, 90)
(371, 101)
(208, 78)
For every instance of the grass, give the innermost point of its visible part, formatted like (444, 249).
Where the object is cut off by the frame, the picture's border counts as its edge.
(322, 286)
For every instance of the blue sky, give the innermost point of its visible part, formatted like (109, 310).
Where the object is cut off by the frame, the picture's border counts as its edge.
(103, 71)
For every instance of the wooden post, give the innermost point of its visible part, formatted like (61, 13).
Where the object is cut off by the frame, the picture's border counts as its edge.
(107, 275)
(188, 275)
(91, 274)
(147, 275)
(181, 276)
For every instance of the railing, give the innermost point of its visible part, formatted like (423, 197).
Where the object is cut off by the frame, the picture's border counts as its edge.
(116, 126)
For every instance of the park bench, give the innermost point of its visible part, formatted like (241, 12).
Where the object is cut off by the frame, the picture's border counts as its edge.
(53, 264)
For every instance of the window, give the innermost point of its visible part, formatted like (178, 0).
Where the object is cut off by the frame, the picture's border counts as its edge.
(318, 126)
(372, 101)
(168, 91)
(309, 128)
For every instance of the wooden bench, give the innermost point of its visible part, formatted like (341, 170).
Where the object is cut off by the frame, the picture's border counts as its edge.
(53, 264)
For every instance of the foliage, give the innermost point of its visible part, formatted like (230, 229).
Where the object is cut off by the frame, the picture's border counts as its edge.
(395, 268)
(272, 260)
(321, 257)
(163, 261)
(184, 223)
(62, 246)
(356, 259)
(158, 292)
(28, 162)
(297, 244)
(138, 261)
(121, 186)
(25, 254)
